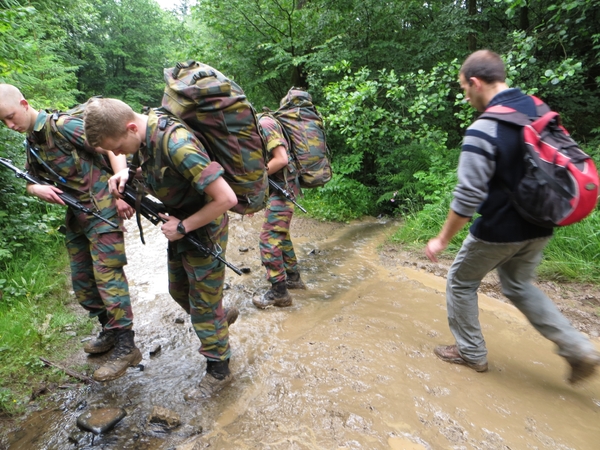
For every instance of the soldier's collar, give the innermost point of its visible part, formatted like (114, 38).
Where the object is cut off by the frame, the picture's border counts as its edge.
(40, 121)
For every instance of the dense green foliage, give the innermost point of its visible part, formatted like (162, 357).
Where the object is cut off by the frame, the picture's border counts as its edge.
(383, 74)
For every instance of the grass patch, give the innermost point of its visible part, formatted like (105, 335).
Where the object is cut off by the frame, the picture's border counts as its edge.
(35, 320)
(573, 254)
(420, 226)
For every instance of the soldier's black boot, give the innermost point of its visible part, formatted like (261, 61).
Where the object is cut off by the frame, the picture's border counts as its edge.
(293, 281)
(217, 377)
(125, 355)
(106, 338)
(278, 295)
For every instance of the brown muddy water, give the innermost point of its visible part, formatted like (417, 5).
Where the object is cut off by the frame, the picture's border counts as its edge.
(349, 366)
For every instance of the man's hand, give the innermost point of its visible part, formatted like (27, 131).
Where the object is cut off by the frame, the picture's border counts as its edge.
(434, 247)
(46, 192)
(116, 183)
(453, 224)
(124, 210)
(169, 228)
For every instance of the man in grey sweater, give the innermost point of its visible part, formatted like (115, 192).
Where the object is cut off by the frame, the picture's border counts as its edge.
(491, 161)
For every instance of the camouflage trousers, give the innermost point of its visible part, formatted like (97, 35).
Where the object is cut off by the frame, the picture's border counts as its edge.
(196, 284)
(99, 281)
(276, 247)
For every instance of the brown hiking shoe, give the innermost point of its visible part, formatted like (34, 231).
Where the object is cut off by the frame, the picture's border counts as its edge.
(278, 295)
(208, 387)
(125, 355)
(293, 281)
(231, 315)
(449, 353)
(584, 368)
(104, 342)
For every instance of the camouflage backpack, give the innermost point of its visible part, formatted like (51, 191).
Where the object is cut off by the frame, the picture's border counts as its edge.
(305, 133)
(217, 111)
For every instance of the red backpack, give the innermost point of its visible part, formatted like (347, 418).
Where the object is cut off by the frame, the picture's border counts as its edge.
(560, 185)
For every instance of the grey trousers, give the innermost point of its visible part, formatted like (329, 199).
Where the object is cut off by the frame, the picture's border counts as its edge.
(516, 263)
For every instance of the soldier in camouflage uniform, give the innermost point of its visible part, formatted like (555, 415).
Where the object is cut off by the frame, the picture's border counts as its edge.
(57, 151)
(176, 169)
(276, 247)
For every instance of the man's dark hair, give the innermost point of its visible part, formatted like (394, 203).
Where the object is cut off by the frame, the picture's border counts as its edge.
(485, 65)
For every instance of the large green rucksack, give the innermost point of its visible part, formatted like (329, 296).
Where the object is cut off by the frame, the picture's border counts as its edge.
(217, 111)
(305, 133)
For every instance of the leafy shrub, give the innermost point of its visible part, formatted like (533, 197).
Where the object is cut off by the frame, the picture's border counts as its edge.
(342, 199)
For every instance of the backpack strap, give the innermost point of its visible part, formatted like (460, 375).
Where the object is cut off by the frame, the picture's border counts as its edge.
(544, 116)
(510, 115)
(290, 154)
(505, 114)
(47, 138)
(140, 192)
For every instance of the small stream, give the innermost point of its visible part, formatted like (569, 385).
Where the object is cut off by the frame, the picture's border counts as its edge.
(348, 366)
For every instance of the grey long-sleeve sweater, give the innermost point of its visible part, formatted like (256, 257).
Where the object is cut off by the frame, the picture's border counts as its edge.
(491, 161)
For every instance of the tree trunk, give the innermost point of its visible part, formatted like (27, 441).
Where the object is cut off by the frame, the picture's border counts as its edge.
(472, 38)
(524, 18)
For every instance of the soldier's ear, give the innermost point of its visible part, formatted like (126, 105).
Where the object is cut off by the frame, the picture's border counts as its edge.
(132, 126)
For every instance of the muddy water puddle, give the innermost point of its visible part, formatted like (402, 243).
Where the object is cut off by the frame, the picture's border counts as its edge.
(349, 366)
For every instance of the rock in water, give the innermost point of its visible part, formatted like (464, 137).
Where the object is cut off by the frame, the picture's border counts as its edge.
(165, 417)
(100, 420)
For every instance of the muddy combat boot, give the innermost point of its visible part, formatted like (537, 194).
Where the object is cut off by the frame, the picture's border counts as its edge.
(217, 377)
(584, 368)
(125, 355)
(106, 338)
(294, 281)
(231, 315)
(278, 295)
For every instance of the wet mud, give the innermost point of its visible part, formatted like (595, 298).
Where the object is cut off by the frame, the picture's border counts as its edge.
(349, 365)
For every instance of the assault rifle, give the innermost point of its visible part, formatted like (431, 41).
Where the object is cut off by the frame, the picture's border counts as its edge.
(68, 199)
(286, 194)
(150, 209)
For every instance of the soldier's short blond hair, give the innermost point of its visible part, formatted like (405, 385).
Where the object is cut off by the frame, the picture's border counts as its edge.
(106, 118)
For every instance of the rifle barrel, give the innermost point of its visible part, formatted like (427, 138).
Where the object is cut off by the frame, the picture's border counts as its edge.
(150, 210)
(286, 194)
(68, 199)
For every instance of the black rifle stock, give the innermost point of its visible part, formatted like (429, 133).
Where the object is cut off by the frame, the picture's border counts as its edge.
(150, 209)
(68, 199)
(286, 194)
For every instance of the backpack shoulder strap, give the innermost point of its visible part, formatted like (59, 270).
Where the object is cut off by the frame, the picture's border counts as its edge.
(160, 137)
(541, 107)
(505, 114)
(509, 115)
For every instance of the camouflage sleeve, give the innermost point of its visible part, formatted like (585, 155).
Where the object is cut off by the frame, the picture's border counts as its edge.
(273, 134)
(190, 159)
(72, 129)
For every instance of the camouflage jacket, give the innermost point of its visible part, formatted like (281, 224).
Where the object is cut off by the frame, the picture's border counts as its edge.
(176, 169)
(59, 142)
(274, 137)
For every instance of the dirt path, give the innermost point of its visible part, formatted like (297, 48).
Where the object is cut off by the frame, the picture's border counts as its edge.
(580, 303)
(348, 366)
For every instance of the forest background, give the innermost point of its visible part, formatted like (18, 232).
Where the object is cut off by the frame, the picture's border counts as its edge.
(383, 74)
